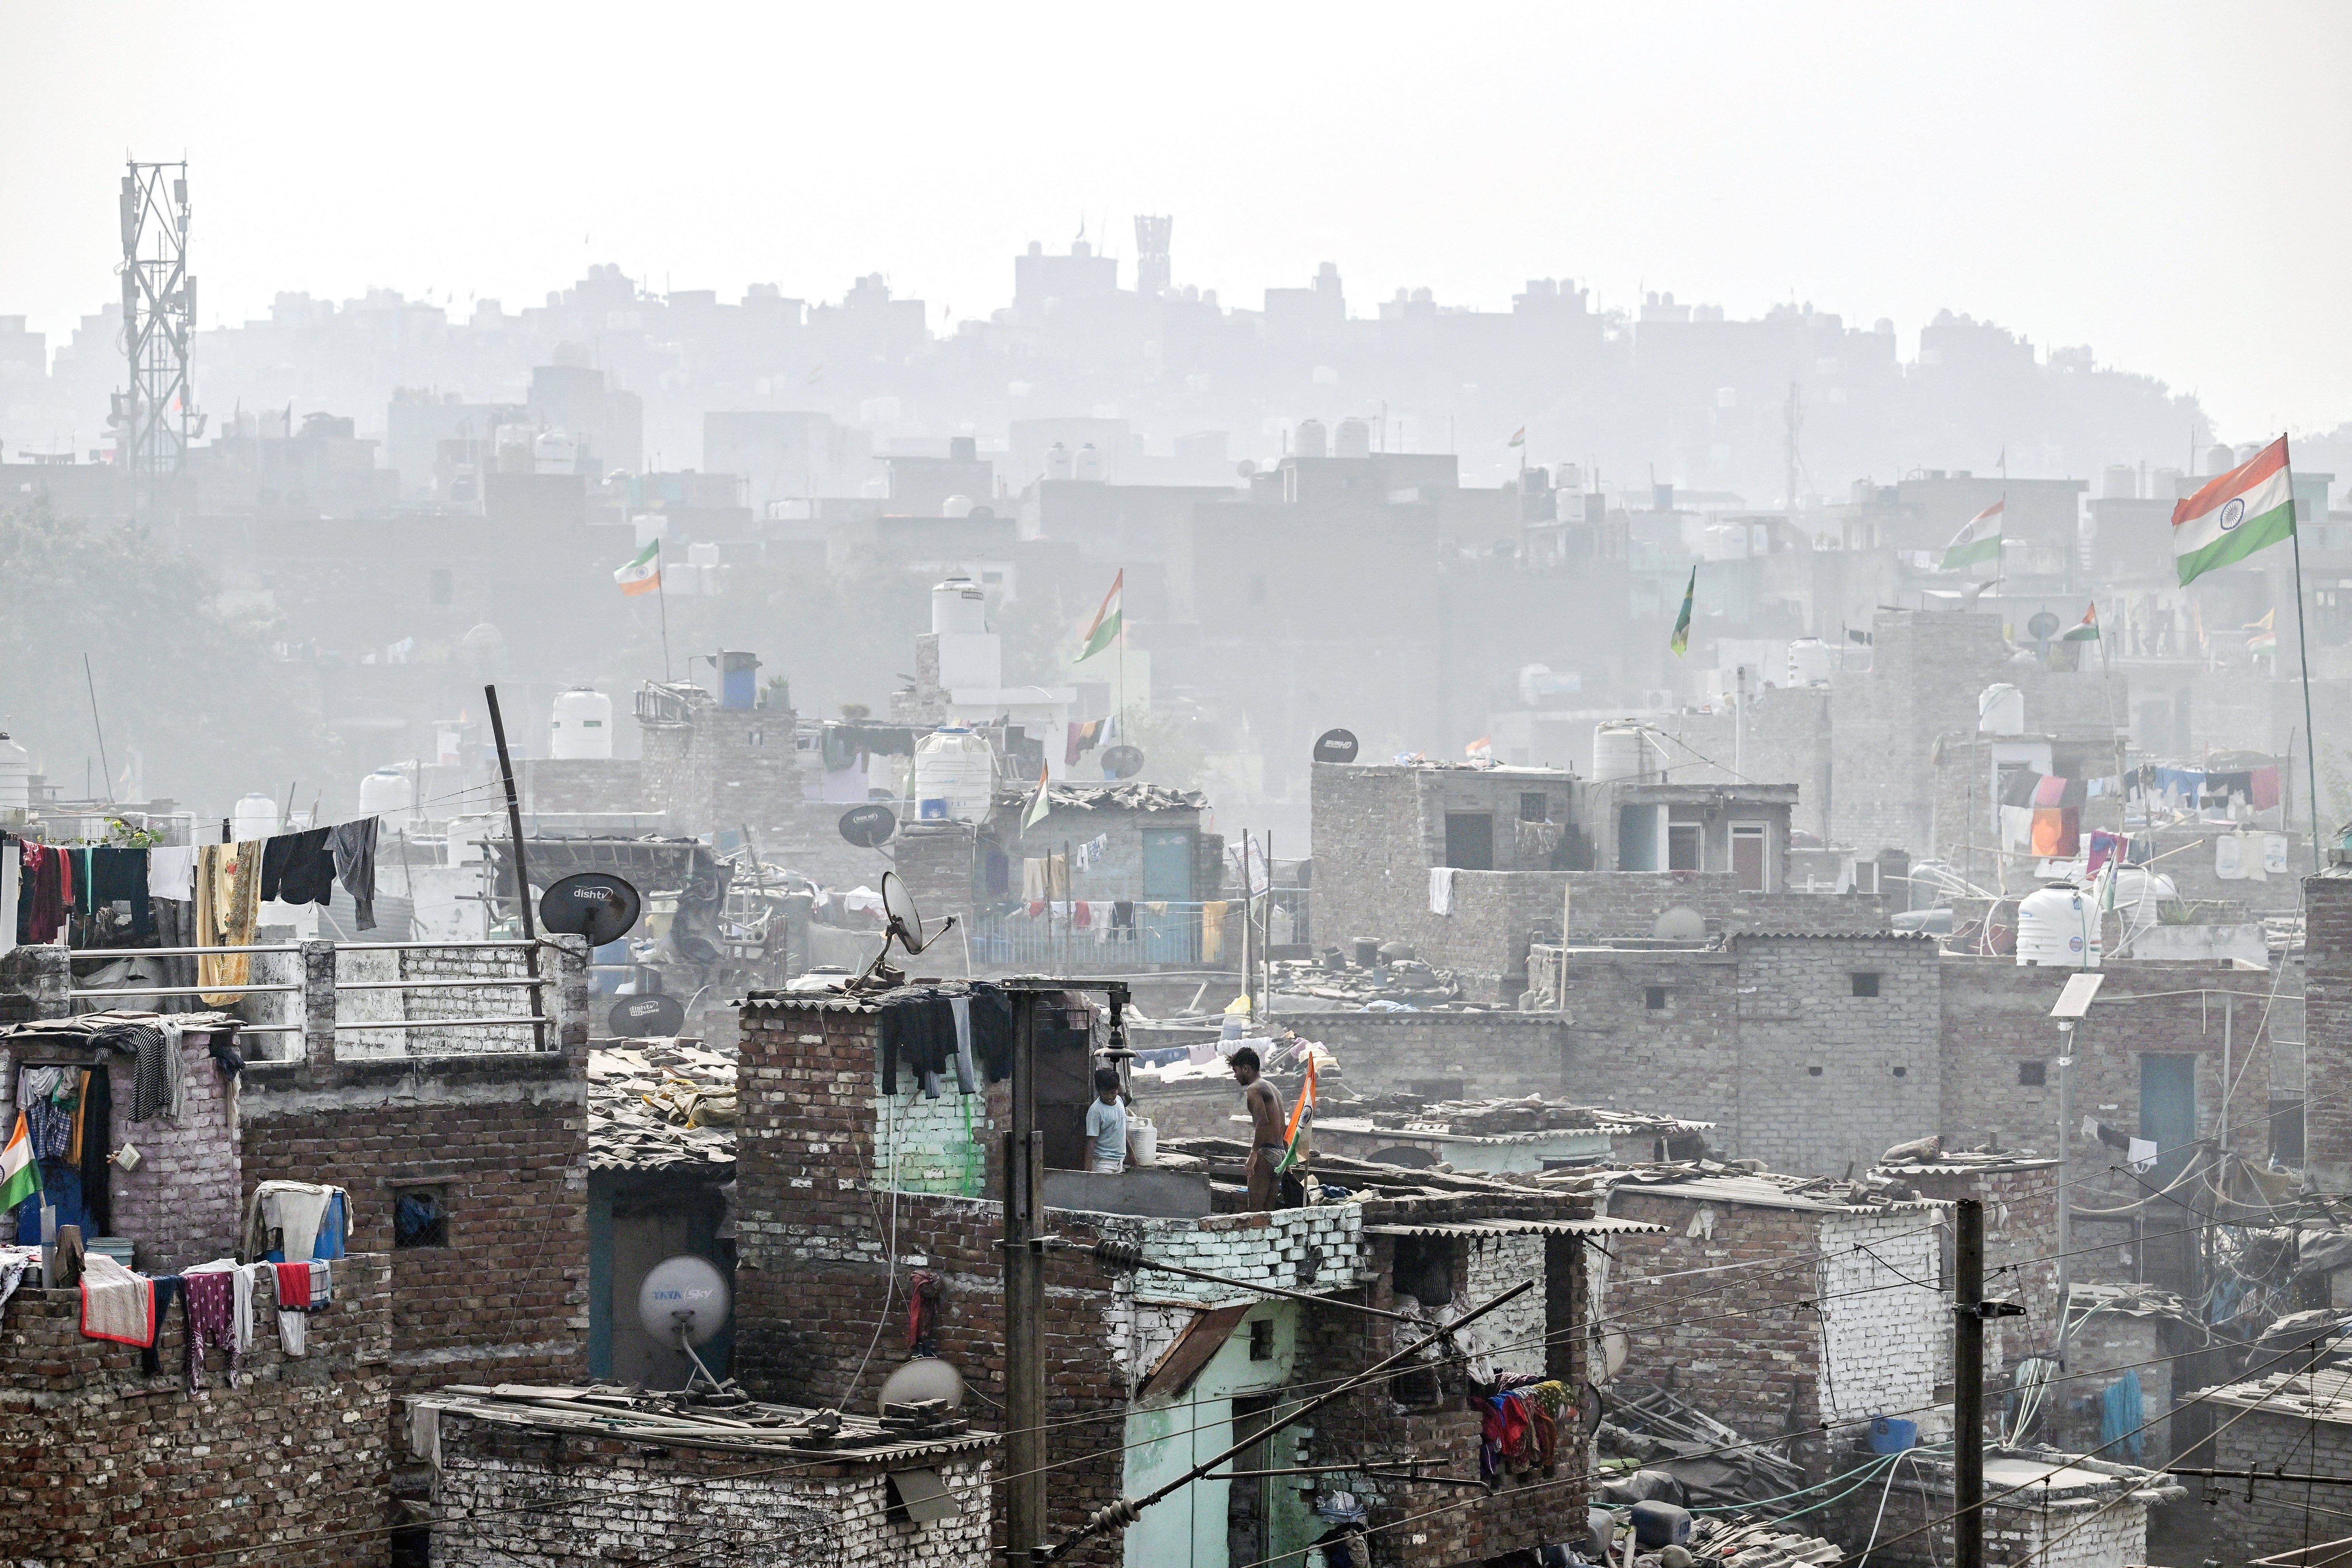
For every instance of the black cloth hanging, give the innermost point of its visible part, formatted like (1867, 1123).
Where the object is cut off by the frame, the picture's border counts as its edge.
(97, 1147)
(296, 867)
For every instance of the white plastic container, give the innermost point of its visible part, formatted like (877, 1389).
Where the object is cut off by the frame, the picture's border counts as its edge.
(1142, 1142)
(958, 604)
(254, 817)
(580, 724)
(387, 792)
(955, 775)
(2059, 926)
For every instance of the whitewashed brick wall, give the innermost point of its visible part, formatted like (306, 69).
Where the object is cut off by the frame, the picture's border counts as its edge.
(1511, 1336)
(1881, 1333)
(932, 1145)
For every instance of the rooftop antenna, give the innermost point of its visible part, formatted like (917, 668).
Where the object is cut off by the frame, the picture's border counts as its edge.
(905, 927)
(684, 1301)
(156, 419)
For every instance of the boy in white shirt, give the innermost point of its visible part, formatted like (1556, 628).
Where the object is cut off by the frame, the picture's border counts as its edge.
(1107, 1124)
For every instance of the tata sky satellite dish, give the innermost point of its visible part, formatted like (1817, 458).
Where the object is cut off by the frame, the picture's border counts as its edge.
(642, 1018)
(684, 1301)
(870, 826)
(594, 904)
(1122, 762)
(1335, 746)
(925, 1377)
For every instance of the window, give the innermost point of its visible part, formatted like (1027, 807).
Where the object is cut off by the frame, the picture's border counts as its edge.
(1865, 984)
(440, 585)
(1261, 1338)
(1655, 998)
(1470, 841)
(1534, 806)
(1683, 846)
(1748, 858)
(2033, 1075)
(1813, 1072)
(420, 1217)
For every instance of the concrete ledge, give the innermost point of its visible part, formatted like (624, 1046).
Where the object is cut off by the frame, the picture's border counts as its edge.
(1143, 1192)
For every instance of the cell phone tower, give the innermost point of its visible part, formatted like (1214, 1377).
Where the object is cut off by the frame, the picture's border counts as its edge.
(155, 419)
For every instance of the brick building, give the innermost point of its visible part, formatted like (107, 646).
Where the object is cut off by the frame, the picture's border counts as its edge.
(845, 1188)
(2295, 1422)
(2327, 1010)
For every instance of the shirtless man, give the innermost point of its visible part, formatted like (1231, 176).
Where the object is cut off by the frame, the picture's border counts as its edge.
(1267, 1148)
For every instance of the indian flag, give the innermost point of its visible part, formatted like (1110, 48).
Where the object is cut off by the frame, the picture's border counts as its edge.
(2265, 633)
(1680, 641)
(1103, 631)
(1518, 438)
(1302, 1116)
(2235, 514)
(2086, 629)
(1977, 539)
(643, 573)
(20, 1173)
(1039, 804)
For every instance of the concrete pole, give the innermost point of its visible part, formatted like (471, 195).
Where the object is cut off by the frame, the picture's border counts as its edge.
(1024, 1296)
(1967, 1388)
(2065, 1172)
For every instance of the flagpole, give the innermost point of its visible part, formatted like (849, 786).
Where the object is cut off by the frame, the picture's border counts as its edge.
(1122, 651)
(2303, 654)
(661, 592)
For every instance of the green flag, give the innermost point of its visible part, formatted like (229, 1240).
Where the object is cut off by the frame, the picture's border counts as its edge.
(1680, 642)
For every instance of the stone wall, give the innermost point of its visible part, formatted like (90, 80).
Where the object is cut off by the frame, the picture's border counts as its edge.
(110, 1465)
(506, 1497)
(1768, 1039)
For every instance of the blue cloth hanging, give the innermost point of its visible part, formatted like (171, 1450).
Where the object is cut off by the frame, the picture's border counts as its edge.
(2120, 1419)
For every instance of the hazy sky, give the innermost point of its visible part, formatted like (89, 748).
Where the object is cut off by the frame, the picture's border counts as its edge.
(2162, 182)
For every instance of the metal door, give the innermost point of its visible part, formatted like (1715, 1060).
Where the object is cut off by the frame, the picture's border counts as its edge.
(1172, 936)
(2167, 1110)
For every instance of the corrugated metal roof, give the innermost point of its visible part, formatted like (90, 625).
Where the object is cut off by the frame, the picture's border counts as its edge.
(1522, 1227)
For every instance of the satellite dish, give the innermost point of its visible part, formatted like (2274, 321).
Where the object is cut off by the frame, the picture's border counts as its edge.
(594, 904)
(904, 924)
(926, 1377)
(1247, 467)
(870, 826)
(1335, 746)
(1681, 923)
(640, 1017)
(1122, 762)
(683, 1295)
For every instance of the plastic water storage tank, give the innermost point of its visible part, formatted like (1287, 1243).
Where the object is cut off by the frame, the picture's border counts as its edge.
(1353, 438)
(1811, 662)
(955, 775)
(254, 817)
(2059, 926)
(580, 726)
(2000, 710)
(387, 792)
(1621, 753)
(16, 775)
(739, 680)
(1088, 464)
(1309, 440)
(958, 605)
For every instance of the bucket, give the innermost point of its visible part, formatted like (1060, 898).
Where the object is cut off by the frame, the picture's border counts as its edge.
(1142, 1142)
(1890, 1435)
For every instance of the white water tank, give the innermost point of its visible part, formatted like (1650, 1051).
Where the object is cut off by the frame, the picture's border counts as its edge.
(387, 792)
(958, 604)
(956, 506)
(955, 775)
(1811, 662)
(1088, 464)
(1621, 753)
(554, 453)
(2059, 926)
(1353, 438)
(581, 725)
(2000, 710)
(254, 817)
(16, 775)
(2119, 482)
(1057, 462)
(1310, 441)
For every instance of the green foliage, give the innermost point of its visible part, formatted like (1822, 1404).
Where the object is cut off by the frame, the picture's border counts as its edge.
(195, 691)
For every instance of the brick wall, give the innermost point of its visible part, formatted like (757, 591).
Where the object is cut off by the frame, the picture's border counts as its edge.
(109, 1465)
(1767, 1040)
(1787, 741)
(724, 768)
(553, 784)
(504, 1139)
(2275, 1520)
(2327, 957)
(183, 1205)
(2020, 1249)
(1879, 1306)
(1488, 1053)
(615, 1502)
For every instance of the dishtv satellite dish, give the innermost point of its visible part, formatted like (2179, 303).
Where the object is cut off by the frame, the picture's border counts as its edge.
(905, 927)
(1122, 762)
(594, 904)
(641, 1018)
(870, 826)
(684, 1301)
(1335, 746)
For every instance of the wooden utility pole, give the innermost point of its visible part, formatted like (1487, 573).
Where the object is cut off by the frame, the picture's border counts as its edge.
(1967, 1388)
(1024, 1291)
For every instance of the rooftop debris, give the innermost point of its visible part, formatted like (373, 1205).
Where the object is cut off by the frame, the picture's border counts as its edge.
(660, 1104)
(681, 1420)
(1406, 982)
(1499, 1118)
(1714, 1463)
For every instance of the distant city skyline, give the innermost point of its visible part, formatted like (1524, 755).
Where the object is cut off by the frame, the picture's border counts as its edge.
(2139, 179)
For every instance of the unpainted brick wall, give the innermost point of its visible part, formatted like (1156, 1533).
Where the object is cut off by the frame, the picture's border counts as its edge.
(2276, 1519)
(505, 1140)
(2020, 1227)
(2328, 1024)
(110, 1465)
(1506, 1054)
(629, 1503)
(2075, 1534)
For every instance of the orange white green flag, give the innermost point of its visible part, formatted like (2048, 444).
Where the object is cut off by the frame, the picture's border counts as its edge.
(2237, 513)
(643, 572)
(1302, 1116)
(20, 1173)
(1103, 631)
(2087, 629)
